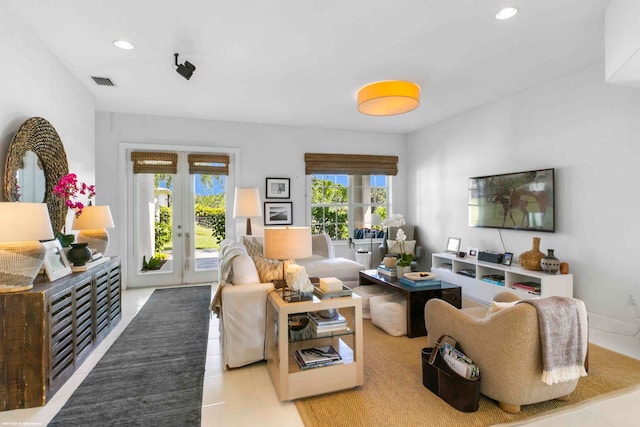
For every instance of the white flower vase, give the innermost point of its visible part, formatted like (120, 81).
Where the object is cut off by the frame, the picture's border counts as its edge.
(403, 270)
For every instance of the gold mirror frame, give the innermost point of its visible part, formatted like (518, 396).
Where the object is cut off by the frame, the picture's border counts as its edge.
(37, 135)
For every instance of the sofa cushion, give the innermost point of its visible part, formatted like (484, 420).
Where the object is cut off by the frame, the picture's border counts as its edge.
(342, 268)
(393, 247)
(269, 269)
(254, 246)
(243, 271)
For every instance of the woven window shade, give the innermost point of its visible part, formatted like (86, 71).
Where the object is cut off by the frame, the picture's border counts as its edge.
(152, 162)
(350, 164)
(212, 164)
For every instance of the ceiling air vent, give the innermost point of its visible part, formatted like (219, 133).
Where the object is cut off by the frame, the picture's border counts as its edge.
(103, 81)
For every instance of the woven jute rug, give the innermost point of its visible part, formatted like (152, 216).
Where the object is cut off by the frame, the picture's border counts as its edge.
(393, 394)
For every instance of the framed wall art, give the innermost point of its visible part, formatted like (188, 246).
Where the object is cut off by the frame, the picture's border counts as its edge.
(55, 262)
(278, 188)
(278, 213)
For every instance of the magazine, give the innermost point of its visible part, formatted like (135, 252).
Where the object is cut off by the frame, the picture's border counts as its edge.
(317, 356)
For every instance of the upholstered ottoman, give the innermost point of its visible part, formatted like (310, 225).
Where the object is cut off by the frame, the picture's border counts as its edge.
(366, 292)
(389, 313)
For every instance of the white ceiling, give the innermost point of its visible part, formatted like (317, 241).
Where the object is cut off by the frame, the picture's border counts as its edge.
(301, 62)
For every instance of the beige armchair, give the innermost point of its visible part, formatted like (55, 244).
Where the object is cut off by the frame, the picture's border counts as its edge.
(506, 346)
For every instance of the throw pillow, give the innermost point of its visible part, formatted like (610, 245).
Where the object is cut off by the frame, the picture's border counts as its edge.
(244, 271)
(393, 247)
(497, 306)
(254, 248)
(269, 269)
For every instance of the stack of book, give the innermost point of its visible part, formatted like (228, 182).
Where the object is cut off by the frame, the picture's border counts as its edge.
(316, 357)
(323, 325)
(416, 283)
(387, 272)
(496, 279)
(529, 287)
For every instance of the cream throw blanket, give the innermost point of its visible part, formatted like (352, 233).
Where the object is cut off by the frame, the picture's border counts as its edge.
(229, 249)
(563, 335)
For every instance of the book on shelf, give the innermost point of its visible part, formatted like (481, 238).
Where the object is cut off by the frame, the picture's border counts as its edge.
(531, 287)
(319, 330)
(314, 357)
(319, 320)
(345, 292)
(388, 272)
(495, 279)
(420, 283)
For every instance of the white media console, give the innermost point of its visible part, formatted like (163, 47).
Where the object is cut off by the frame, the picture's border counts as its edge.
(448, 266)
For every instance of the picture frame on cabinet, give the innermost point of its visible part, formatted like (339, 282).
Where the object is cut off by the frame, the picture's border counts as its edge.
(472, 252)
(507, 258)
(278, 213)
(278, 188)
(453, 245)
(56, 264)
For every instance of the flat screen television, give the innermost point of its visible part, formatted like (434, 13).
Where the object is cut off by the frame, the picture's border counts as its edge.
(516, 201)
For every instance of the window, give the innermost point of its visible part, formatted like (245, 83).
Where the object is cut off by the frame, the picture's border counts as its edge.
(342, 205)
(346, 190)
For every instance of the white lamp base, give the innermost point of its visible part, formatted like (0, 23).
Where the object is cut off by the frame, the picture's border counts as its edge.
(98, 239)
(19, 265)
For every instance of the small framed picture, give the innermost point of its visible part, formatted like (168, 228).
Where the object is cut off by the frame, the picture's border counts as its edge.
(278, 213)
(55, 262)
(453, 245)
(507, 258)
(472, 252)
(278, 188)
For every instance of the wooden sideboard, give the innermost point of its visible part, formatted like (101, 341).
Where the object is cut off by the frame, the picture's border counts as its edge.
(48, 331)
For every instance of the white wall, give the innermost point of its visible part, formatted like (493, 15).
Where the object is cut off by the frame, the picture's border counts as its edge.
(585, 129)
(262, 151)
(33, 83)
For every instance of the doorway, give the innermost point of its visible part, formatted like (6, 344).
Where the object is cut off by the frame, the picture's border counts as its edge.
(178, 216)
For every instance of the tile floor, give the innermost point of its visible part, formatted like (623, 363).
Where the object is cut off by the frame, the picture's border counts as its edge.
(228, 394)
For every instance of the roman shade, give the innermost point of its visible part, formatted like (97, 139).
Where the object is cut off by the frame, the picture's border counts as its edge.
(154, 162)
(211, 164)
(350, 164)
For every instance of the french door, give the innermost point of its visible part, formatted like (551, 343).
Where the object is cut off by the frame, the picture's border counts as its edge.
(177, 217)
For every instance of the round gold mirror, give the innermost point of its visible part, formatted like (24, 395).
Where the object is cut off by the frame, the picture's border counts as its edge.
(37, 136)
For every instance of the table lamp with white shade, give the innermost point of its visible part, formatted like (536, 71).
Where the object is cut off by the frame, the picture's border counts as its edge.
(92, 224)
(21, 253)
(246, 204)
(285, 243)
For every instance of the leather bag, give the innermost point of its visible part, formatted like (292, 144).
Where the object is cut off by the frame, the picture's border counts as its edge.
(460, 393)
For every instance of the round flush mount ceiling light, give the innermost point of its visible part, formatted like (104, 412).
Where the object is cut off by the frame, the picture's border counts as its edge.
(123, 44)
(506, 13)
(388, 98)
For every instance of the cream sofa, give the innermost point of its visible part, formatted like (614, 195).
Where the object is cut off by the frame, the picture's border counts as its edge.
(241, 299)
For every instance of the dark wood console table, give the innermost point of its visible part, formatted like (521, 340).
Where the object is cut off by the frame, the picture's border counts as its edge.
(416, 298)
(48, 331)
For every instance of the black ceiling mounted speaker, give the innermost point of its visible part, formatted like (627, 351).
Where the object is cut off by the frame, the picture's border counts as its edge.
(185, 70)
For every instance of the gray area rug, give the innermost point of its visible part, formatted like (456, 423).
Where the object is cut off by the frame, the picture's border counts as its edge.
(153, 374)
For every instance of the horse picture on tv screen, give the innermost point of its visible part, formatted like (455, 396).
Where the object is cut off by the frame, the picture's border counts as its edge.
(522, 201)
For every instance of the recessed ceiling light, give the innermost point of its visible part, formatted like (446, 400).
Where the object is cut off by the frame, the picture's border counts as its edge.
(506, 13)
(123, 44)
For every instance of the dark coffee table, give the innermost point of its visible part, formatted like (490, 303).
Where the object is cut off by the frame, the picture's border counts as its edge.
(416, 297)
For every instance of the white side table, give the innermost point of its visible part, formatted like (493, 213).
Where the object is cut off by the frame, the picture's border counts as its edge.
(364, 258)
(289, 380)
